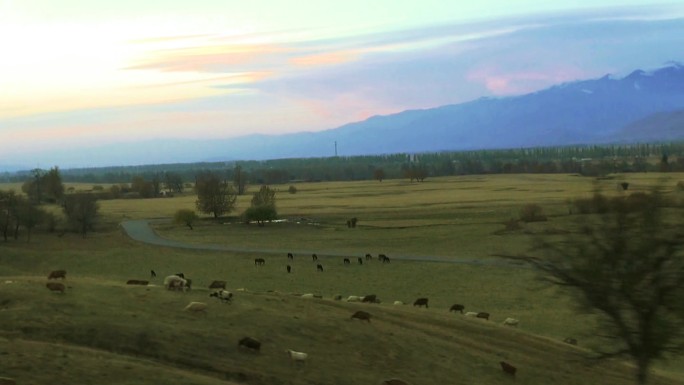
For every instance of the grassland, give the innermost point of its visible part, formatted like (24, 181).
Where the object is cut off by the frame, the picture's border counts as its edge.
(101, 331)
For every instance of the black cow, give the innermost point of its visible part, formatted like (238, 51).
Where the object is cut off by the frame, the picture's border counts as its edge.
(319, 267)
(153, 274)
(421, 302)
(369, 257)
(360, 260)
(250, 343)
(259, 261)
(457, 307)
(289, 268)
(483, 315)
(346, 261)
(314, 257)
(508, 368)
(371, 298)
(362, 315)
(290, 256)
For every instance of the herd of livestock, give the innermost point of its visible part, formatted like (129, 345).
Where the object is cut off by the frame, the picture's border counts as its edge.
(178, 282)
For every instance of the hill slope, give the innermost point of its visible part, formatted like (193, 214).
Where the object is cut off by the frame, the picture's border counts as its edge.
(143, 330)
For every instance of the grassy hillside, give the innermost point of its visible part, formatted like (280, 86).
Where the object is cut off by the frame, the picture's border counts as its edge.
(102, 331)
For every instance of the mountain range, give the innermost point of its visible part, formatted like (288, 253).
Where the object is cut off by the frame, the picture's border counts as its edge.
(643, 106)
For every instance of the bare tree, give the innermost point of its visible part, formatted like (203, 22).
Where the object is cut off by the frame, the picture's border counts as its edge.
(214, 196)
(626, 264)
(81, 211)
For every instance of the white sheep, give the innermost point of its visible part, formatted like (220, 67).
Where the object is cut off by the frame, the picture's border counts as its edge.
(174, 282)
(307, 296)
(196, 307)
(471, 314)
(297, 356)
(398, 303)
(354, 298)
(511, 322)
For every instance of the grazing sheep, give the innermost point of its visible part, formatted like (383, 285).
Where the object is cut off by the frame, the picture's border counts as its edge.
(457, 307)
(290, 256)
(259, 261)
(289, 268)
(360, 260)
(319, 267)
(307, 296)
(362, 315)
(250, 343)
(196, 307)
(153, 274)
(296, 356)
(354, 298)
(137, 282)
(398, 303)
(483, 315)
(511, 322)
(55, 286)
(570, 341)
(421, 302)
(314, 257)
(57, 274)
(346, 261)
(223, 295)
(508, 368)
(217, 285)
(174, 282)
(471, 314)
(371, 298)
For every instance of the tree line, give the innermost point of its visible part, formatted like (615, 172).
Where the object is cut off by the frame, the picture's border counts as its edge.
(586, 160)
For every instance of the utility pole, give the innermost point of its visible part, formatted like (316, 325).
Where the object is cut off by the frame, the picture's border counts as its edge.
(335, 148)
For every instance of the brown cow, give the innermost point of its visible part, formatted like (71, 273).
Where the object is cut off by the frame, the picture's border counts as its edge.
(508, 368)
(362, 315)
(457, 307)
(250, 343)
(57, 274)
(371, 298)
(218, 285)
(421, 302)
(55, 286)
(483, 315)
(137, 282)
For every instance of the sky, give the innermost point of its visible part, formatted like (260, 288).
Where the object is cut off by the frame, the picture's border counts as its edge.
(76, 74)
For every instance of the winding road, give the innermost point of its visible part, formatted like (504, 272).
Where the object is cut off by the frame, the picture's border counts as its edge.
(141, 231)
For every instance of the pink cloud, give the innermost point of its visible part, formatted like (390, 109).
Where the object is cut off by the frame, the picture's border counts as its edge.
(502, 82)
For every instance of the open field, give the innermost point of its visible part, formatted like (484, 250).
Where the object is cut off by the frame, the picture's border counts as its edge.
(102, 331)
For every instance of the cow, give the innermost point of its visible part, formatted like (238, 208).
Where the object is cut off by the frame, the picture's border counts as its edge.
(153, 274)
(290, 256)
(362, 315)
(250, 343)
(137, 282)
(55, 286)
(508, 368)
(383, 258)
(369, 257)
(360, 260)
(346, 261)
(259, 261)
(314, 257)
(289, 268)
(57, 274)
(457, 307)
(319, 267)
(223, 295)
(217, 285)
(371, 298)
(483, 315)
(421, 302)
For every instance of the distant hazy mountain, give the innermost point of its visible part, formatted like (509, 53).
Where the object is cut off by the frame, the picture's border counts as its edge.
(644, 106)
(583, 112)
